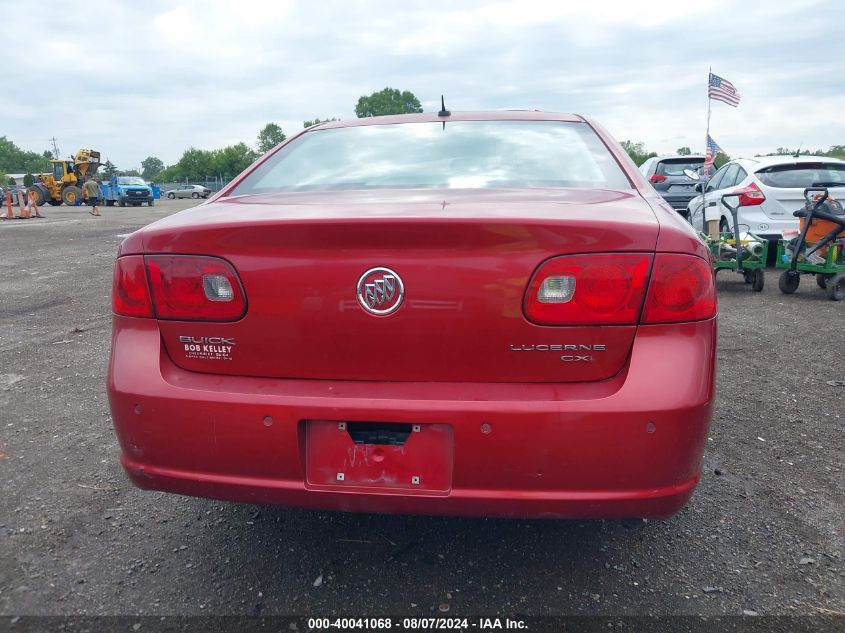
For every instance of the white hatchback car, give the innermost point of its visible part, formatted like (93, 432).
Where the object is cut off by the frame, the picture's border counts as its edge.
(770, 188)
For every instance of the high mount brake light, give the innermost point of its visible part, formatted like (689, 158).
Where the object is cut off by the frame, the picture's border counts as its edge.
(588, 289)
(657, 178)
(610, 289)
(177, 287)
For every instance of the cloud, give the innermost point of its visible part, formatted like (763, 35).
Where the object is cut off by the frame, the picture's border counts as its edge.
(138, 79)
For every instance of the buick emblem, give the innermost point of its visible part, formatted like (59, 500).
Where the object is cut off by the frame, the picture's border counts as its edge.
(380, 291)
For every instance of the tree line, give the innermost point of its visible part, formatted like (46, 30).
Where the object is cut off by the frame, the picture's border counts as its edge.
(197, 164)
(14, 159)
(227, 162)
(639, 154)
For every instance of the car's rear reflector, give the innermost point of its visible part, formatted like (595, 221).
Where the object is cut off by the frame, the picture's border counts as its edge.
(682, 289)
(195, 288)
(130, 292)
(597, 289)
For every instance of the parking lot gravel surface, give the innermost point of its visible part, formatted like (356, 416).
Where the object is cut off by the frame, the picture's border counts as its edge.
(763, 533)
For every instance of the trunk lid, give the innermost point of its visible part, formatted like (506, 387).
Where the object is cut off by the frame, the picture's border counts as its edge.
(464, 259)
(780, 203)
(784, 184)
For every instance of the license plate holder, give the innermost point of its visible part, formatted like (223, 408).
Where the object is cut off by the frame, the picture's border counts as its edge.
(423, 462)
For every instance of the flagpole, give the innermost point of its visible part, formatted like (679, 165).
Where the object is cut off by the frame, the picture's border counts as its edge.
(709, 227)
(709, 101)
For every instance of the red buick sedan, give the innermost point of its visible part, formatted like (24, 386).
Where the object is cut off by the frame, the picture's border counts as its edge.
(476, 313)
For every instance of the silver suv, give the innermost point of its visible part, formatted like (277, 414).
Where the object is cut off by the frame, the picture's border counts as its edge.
(189, 191)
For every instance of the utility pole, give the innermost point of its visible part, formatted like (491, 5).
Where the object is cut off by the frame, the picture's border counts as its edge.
(55, 148)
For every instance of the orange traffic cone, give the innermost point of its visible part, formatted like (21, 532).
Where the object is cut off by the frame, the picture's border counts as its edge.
(23, 200)
(9, 214)
(33, 204)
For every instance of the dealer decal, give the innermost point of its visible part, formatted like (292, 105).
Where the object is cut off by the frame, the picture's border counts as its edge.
(208, 347)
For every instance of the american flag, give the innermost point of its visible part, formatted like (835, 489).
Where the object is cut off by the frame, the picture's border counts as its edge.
(722, 90)
(710, 155)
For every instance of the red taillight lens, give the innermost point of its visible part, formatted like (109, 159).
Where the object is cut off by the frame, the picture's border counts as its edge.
(593, 289)
(195, 288)
(750, 196)
(130, 293)
(657, 178)
(682, 289)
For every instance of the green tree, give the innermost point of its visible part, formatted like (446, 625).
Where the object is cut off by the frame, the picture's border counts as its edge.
(194, 164)
(12, 181)
(28, 180)
(683, 151)
(13, 159)
(151, 167)
(168, 174)
(270, 136)
(199, 164)
(785, 151)
(129, 172)
(836, 151)
(317, 121)
(387, 101)
(109, 169)
(637, 152)
(720, 160)
(232, 160)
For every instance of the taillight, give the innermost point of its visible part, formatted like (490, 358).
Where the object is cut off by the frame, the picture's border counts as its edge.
(130, 293)
(682, 289)
(593, 289)
(750, 196)
(657, 178)
(195, 288)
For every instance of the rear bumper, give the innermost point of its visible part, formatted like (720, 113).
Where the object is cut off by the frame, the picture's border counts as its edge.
(755, 220)
(630, 446)
(679, 202)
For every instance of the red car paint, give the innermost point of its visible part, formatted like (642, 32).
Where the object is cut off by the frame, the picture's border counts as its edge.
(501, 424)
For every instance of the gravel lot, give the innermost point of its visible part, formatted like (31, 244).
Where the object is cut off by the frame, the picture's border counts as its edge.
(763, 533)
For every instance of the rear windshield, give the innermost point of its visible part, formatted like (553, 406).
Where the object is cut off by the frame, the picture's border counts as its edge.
(459, 155)
(677, 167)
(803, 175)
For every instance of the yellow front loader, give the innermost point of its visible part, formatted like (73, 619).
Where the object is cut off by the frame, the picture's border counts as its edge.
(64, 183)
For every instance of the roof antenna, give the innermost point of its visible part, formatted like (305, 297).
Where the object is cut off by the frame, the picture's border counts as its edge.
(443, 111)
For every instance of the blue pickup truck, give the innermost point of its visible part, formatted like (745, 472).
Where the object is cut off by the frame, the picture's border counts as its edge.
(125, 190)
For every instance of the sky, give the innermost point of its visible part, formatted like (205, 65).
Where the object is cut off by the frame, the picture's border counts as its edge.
(136, 79)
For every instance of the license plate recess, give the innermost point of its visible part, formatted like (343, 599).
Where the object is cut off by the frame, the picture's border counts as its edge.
(388, 456)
